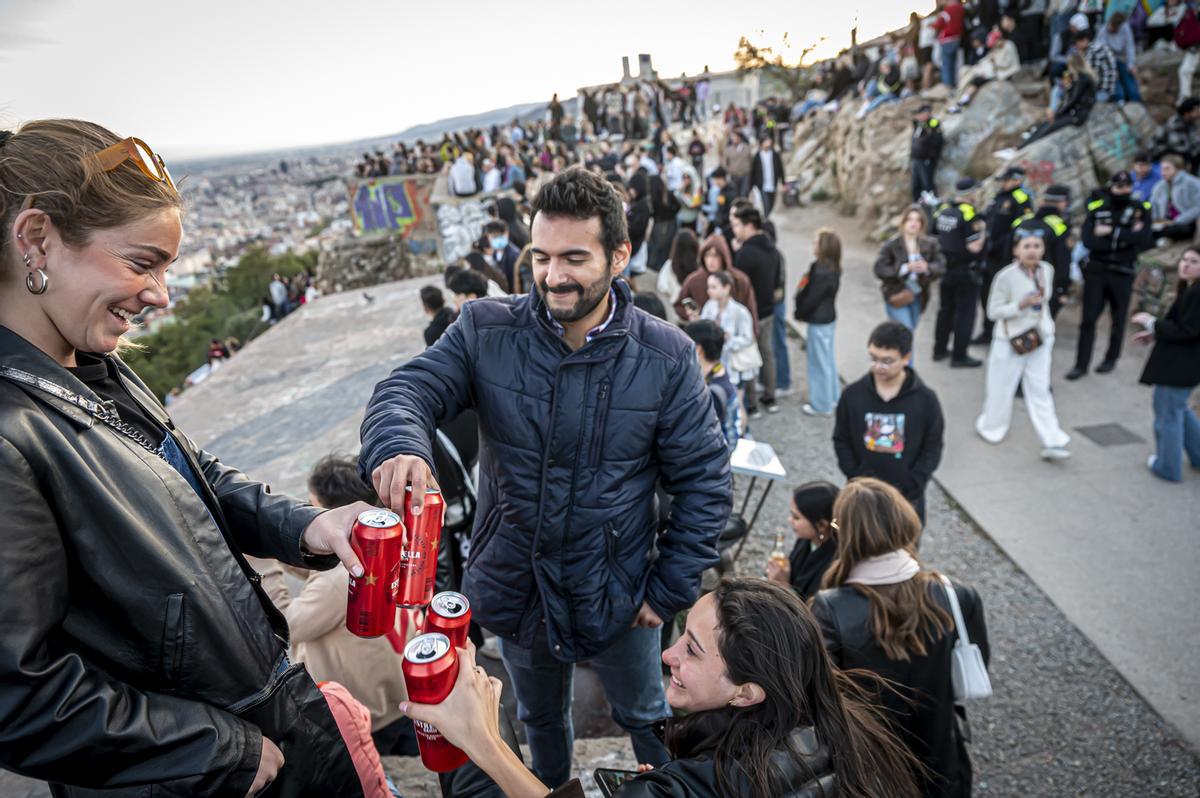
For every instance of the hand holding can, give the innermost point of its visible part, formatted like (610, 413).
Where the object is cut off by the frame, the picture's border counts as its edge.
(431, 669)
(450, 614)
(378, 540)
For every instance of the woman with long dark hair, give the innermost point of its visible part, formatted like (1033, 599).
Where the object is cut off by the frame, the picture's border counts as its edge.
(685, 254)
(815, 299)
(812, 522)
(768, 714)
(882, 613)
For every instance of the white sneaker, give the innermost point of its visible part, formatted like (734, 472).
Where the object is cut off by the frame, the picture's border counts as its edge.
(809, 410)
(1055, 453)
(491, 648)
(1151, 460)
(1006, 154)
(1162, 242)
(784, 392)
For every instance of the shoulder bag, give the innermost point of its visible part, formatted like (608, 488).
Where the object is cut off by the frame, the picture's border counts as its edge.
(968, 674)
(1031, 339)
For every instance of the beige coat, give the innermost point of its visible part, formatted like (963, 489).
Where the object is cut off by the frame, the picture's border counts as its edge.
(368, 668)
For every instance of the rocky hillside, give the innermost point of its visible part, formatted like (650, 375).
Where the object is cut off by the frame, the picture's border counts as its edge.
(863, 165)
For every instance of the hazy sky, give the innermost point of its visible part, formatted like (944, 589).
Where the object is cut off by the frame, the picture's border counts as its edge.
(196, 78)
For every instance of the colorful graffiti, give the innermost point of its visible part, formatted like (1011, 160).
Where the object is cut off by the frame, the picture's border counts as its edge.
(392, 204)
(1038, 174)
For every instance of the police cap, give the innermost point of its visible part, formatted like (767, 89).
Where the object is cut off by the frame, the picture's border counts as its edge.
(1058, 193)
(965, 184)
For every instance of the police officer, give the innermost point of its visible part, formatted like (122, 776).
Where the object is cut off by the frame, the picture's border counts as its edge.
(1051, 220)
(1116, 230)
(961, 235)
(926, 150)
(1012, 202)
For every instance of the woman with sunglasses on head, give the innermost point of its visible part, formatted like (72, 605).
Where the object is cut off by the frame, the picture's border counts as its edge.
(881, 613)
(815, 547)
(137, 650)
(1022, 341)
(767, 714)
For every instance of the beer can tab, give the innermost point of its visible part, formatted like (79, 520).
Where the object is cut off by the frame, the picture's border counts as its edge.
(378, 519)
(427, 648)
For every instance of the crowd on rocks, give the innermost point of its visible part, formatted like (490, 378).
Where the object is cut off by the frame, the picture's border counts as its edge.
(587, 493)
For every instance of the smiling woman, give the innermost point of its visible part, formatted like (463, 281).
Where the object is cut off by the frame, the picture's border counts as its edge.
(136, 646)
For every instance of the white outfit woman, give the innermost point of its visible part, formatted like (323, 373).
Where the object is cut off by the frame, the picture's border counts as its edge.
(1005, 368)
(738, 324)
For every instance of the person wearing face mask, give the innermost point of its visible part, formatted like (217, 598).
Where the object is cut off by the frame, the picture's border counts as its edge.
(1021, 347)
(1117, 229)
(503, 253)
(137, 648)
(767, 713)
(815, 547)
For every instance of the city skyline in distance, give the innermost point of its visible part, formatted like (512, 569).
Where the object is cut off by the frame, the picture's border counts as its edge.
(200, 80)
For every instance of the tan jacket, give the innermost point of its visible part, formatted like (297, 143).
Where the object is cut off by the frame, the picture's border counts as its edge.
(738, 159)
(368, 668)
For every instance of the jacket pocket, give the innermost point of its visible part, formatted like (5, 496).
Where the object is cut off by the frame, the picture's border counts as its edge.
(171, 652)
(483, 535)
(598, 421)
(611, 539)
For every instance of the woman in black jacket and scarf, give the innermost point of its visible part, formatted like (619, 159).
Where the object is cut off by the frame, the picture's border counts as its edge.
(768, 715)
(138, 652)
(1174, 370)
(815, 305)
(881, 613)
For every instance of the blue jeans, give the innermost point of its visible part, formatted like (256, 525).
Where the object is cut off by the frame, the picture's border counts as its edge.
(823, 387)
(630, 671)
(908, 315)
(1176, 430)
(783, 366)
(1127, 85)
(949, 52)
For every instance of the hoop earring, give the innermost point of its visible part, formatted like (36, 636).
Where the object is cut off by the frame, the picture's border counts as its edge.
(41, 289)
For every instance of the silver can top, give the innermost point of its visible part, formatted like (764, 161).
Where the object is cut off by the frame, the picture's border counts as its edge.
(378, 519)
(449, 604)
(427, 648)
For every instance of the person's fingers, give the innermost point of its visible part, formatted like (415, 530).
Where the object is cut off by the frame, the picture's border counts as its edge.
(345, 552)
(417, 477)
(380, 478)
(426, 713)
(466, 656)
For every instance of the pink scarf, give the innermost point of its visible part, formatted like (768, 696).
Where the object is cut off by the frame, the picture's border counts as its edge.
(886, 569)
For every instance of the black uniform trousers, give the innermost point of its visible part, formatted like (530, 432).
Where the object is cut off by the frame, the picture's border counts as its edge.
(1103, 286)
(922, 177)
(995, 262)
(958, 292)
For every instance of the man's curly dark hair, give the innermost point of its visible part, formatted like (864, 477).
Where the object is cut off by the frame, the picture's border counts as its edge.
(579, 194)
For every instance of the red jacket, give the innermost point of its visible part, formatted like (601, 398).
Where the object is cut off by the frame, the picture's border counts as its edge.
(949, 23)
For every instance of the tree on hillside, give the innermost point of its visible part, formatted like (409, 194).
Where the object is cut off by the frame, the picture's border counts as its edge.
(794, 78)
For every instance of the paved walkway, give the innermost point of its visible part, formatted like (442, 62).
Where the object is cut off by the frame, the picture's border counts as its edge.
(1113, 546)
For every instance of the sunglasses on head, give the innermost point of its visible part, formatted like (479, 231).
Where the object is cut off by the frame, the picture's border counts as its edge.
(148, 162)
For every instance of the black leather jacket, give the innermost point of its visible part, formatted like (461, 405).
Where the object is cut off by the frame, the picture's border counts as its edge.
(930, 725)
(695, 776)
(136, 646)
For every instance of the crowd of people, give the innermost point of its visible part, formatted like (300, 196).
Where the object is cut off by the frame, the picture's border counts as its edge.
(586, 492)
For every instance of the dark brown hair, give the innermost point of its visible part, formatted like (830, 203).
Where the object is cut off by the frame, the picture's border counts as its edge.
(873, 518)
(829, 248)
(768, 636)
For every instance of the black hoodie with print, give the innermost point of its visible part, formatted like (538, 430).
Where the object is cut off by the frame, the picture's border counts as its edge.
(899, 442)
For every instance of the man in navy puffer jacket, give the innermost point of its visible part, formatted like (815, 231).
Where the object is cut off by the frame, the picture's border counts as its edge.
(585, 403)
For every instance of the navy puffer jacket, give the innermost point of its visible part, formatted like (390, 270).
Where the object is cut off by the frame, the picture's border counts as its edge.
(572, 446)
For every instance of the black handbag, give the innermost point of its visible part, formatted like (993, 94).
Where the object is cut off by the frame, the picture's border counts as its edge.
(1031, 339)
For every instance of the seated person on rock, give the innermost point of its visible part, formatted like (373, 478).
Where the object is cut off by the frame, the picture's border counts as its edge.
(1080, 83)
(1000, 63)
(1175, 202)
(767, 713)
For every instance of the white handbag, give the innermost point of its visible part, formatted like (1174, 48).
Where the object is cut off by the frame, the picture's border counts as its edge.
(968, 674)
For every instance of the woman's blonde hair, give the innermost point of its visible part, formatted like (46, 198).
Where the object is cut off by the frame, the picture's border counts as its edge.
(873, 518)
(51, 161)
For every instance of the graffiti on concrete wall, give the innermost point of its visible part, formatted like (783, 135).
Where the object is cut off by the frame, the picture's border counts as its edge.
(1038, 174)
(398, 204)
(460, 224)
(1115, 146)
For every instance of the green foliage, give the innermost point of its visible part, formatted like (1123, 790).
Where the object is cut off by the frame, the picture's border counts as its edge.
(229, 309)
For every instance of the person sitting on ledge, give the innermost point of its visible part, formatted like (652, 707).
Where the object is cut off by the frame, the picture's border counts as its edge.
(767, 713)
(1175, 202)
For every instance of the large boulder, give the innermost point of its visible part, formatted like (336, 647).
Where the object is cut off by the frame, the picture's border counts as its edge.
(351, 263)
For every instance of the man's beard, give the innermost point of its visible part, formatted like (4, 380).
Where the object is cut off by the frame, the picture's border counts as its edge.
(589, 298)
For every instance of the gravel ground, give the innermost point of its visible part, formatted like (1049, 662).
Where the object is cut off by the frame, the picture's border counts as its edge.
(1062, 721)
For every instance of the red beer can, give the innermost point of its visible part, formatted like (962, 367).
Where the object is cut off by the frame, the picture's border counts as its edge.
(378, 539)
(418, 571)
(450, 614)
(430, 669)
